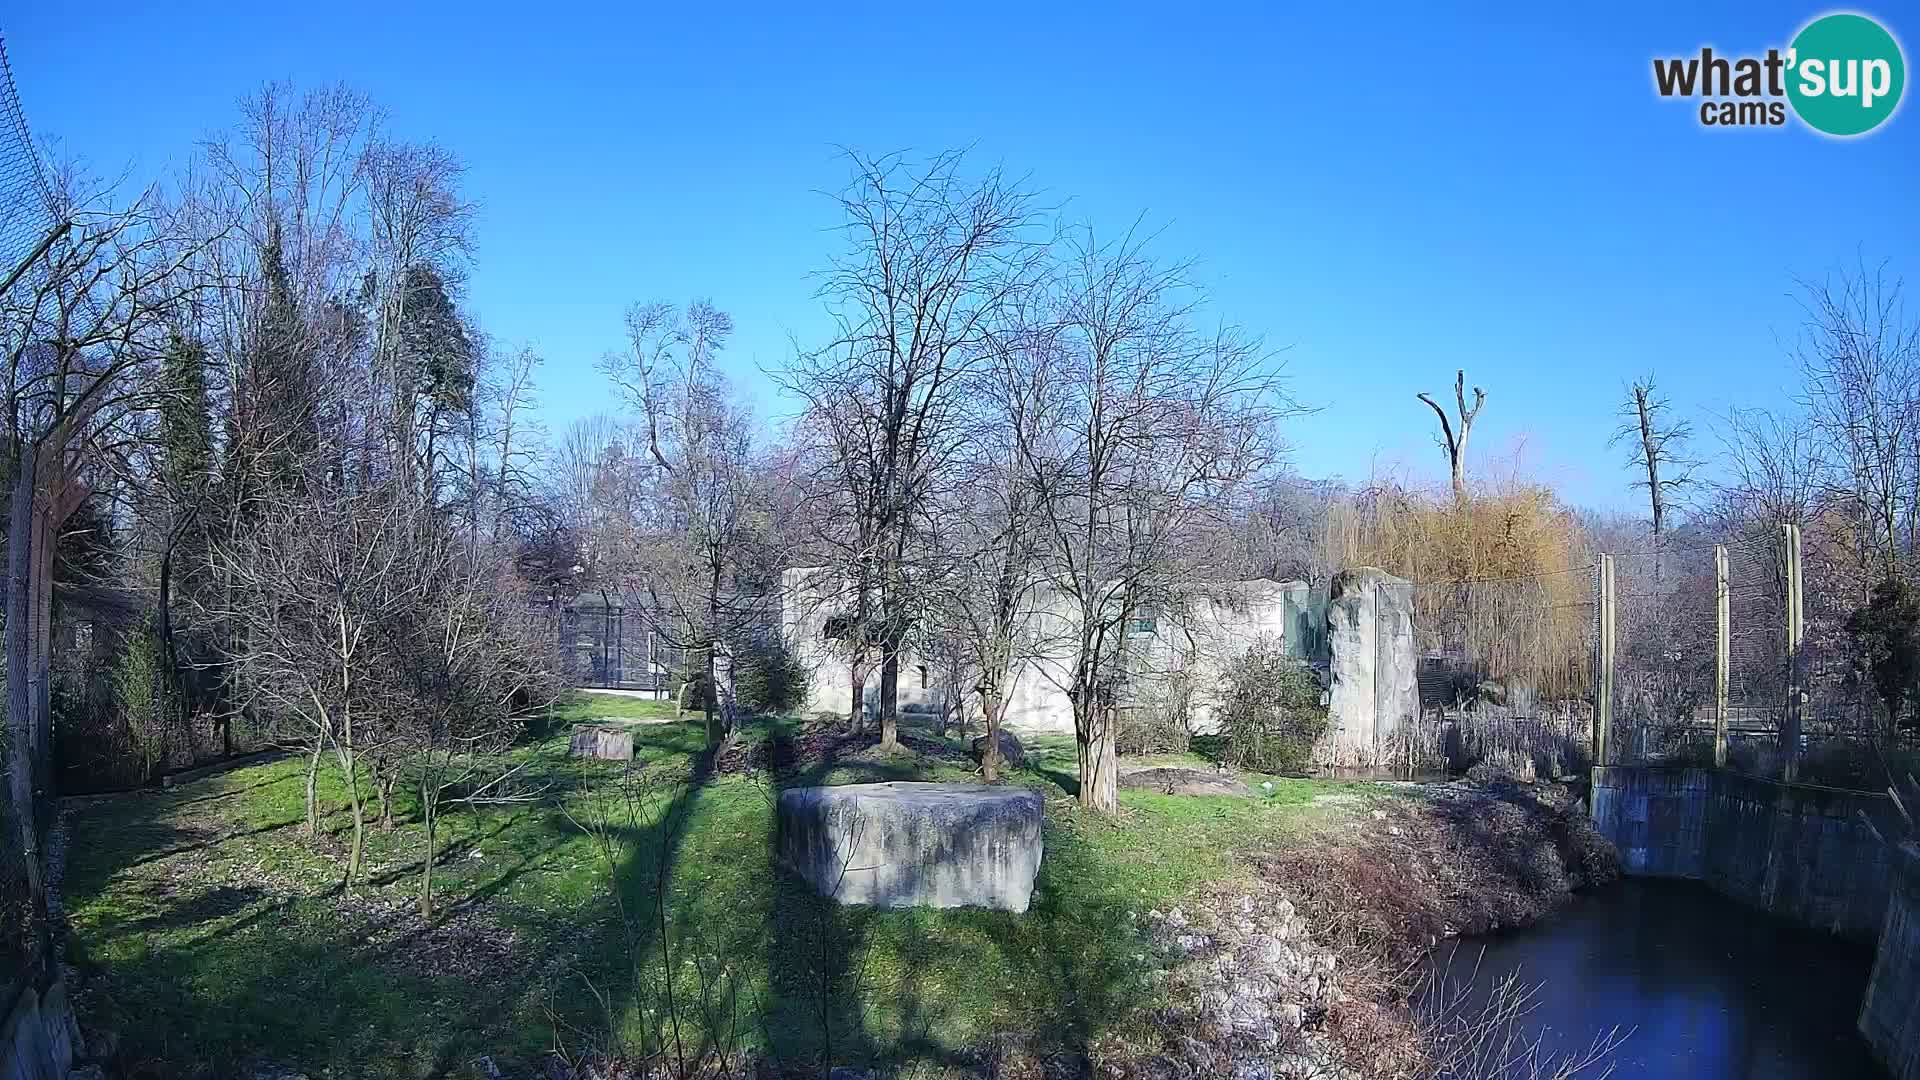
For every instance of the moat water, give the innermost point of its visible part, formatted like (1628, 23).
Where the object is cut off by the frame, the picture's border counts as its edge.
(1696, 985)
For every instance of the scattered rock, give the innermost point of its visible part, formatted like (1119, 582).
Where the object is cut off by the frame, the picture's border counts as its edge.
(1169, 780)
(1012, 751)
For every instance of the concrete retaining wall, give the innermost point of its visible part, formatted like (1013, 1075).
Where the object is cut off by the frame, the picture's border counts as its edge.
(1890, 1013)
(1795, 850)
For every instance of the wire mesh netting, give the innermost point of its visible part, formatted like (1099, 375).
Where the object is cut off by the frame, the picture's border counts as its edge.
(1665, 656)
(609, 645)
(25, 217)
(26, 202)
(1505, 671)
(1756, 651)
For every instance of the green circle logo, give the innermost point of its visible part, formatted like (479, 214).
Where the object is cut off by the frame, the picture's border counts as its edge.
(1845, 74)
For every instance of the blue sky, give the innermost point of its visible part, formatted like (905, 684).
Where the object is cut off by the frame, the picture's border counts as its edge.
(1390, 195)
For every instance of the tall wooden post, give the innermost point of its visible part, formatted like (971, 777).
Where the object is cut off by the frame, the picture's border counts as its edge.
(1796, 637)
(1603, 662)
(1722, 655)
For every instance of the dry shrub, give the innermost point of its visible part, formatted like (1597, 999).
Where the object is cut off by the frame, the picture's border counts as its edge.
(1382, 890)
(1505, 577)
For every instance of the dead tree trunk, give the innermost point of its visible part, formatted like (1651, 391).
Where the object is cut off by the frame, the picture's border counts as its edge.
(1455, 444)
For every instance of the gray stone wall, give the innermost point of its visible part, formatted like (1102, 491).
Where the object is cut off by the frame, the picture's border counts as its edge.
(1373, 697)
(1890, 1013)
(1795, 850)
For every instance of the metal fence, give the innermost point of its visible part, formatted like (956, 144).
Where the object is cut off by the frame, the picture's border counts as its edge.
(1737, 655)
(611, 646)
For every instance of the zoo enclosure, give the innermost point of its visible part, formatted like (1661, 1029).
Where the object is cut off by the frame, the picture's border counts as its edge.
(1735, 655)
(608, 646)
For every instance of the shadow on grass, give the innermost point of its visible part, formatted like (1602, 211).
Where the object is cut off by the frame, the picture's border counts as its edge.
(206, 974)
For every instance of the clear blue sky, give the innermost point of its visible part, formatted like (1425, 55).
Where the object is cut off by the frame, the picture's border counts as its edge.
(1392, 195)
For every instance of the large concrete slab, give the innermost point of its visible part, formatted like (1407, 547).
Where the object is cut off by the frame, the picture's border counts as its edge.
(914, 844)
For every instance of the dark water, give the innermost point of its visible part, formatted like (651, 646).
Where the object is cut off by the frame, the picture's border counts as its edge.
(1709, 988)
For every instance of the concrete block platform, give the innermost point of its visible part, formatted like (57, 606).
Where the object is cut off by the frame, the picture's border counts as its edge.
(914, 844)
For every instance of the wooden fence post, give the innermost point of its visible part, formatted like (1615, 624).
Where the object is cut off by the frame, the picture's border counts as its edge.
(1722, 654)
(1603, 656)
(1796, 636)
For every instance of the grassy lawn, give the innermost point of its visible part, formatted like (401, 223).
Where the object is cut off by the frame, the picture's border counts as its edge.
(214, 935)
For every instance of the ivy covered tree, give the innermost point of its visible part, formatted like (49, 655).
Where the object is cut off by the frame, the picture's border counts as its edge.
(1886, 633)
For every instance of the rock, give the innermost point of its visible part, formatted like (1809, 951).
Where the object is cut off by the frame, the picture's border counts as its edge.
(1374, 693)
(103, 1044)
(1012, 752)
(601, 741)
(1198, 1054)
(87, 1072)
(914, 844)
(1168, 780)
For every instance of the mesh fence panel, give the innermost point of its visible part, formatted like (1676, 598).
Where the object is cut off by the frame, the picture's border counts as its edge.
(1665, 639)
(25, 217)
(1505, 670)
(1756, 652)
(25, 200)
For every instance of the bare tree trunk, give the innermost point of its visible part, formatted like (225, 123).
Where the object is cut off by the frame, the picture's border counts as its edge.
(384, 781)
(430, 813)
(351, 767)
(994, 705)
(1099, 759)
(708, 706)
(890, 699)
(857, 713)
(313, 785)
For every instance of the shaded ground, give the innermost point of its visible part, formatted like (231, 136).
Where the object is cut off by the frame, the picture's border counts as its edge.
(215, 937)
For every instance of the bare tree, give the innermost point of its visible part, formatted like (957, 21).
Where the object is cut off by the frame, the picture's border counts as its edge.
(1658, 449)
(700, 444)
(1452, 442)
(326, 572)
(1859, 357)
(1138, 433)
(986, 542)
(932, 258)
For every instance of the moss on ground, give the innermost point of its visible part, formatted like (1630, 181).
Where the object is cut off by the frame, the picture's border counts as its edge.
(214, 935)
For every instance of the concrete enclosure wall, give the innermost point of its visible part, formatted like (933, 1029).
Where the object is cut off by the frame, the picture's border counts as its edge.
(1373, 695)
(1795, 850)
(1890, 1013)
(1166, 650)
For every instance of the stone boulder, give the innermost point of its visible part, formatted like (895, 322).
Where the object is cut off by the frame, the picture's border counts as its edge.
(1169, 780)
(913, 844)
(1374, 694)
(1012, 753)
(601, 741)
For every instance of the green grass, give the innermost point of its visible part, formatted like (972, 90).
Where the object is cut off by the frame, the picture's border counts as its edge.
(215, 934)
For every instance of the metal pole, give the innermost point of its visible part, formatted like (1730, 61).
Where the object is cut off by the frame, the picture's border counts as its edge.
(1603, 680)
(1796, 637)
(1722, 655)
